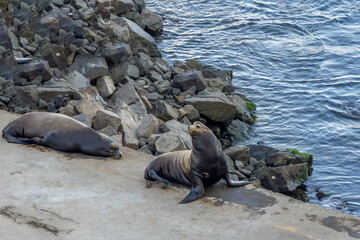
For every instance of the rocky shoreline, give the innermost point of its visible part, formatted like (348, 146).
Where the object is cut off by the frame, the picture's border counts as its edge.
(97, 61)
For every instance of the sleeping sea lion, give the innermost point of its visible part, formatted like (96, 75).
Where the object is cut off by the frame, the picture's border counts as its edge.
(204, 165)
(59, 132)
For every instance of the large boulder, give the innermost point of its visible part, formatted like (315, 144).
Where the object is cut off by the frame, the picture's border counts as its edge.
(238, 153)
(284, 179)
(128, 95)
(129, 126)
(186, 80)
(164, 111)
(242, 113)
(283, 158)
(89, 107)
(107, 7)
(180, 129)
(225, 77)
(214, 106)
(90, 66)
(24, 98)
(149, 125)
(104, 118)
(35, 69)
(153, 22)
(169, 142)
(239, 131)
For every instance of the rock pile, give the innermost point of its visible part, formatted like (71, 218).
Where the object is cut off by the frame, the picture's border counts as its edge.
(97, 61)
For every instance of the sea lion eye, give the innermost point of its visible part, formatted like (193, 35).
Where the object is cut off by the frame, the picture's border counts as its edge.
(197, 126)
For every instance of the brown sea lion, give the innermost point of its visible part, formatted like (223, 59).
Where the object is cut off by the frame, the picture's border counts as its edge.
(59, 132)
(204, 165)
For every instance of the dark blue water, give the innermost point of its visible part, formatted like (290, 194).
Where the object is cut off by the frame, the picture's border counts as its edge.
(299, 61)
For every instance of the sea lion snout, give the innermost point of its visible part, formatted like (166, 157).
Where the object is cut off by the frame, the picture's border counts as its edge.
(117, 154)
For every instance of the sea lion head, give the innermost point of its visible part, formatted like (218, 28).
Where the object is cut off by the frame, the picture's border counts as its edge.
(198, 128)
(110, 148)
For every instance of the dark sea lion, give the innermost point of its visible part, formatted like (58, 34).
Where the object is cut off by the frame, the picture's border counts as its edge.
(204, 165)
(59, 132)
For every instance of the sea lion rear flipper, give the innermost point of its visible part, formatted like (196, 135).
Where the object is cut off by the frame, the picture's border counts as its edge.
(234, 184)
(12, 139)
(153, 175)
(197, 189)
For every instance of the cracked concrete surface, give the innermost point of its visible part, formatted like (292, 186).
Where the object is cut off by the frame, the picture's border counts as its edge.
(46, 194)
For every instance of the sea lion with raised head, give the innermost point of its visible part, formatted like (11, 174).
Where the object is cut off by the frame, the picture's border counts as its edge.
(59, 132)
(204, 165)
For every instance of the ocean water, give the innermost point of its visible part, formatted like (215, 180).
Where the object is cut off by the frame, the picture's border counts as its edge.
(299, 61)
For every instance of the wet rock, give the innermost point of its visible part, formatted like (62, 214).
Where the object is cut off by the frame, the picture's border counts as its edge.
(36, 68)
(215, 106)
(116, 7)
(216, 84)
(186, 80)
(106, 86)
(129, 127)
(153, 22)
(77, 80)
(225, 76)
(104, 118)
(238, 152)
(239, 131)
(83, 118)
(169, 142)
(88, 107)
(284, 179)
(164, 111)
(260, 152)
(180, 129)
(149, 125)
(90, 66)
(283, 158)
(242, 112)
(128, 95)
(192, 63)
(116, 53)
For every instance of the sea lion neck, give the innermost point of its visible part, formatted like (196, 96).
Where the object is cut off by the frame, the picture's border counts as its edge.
(206, 145)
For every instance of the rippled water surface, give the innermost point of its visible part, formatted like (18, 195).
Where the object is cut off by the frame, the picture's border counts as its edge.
(299, 61)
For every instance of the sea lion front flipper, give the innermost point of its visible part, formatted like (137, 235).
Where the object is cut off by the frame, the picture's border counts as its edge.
(154, 176)
(234, 184)
(12, 139)
(197, 189)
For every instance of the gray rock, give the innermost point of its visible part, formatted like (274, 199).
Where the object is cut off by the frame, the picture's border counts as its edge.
(116, 7)
(225, 76)
(242, 112)
(151, 141)
(169, 142)
(88, 107)
(149, 125)
(104, 118)
(83, 118)
(239, 164)
(192, 63)
(191, 113)
(229, 163)
(215, 84)
(284, 179)
(162, 87)
(215, 106)
(155, 76)
(87, 13)
(77, 80)
(239, 131)
(239, 152)
(132, 71)
(129, 127)
(152, 21)
(106, 86)
(136, 18)
(36, 68)
(108, 130)
(128, 95)
(80, 4)
(260, 152)
(140, 5)
(179, 128)
(283, 158)
(69, 109)
(145, 149)
(49, 92)
(116, 53)
(185, 121)
(164, 111)
(56, 56)
(90, 66)
(186, 80)
(25, 97)
(244, 171)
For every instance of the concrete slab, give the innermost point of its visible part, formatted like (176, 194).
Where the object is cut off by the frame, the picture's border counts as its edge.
(46, 194)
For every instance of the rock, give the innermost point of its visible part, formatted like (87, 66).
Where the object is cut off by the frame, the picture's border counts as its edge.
(129, 127)
(151, 141)
(136, 18)
(133, 71)
(229, 163)
(225, 76)
(140, 38)
(239, 131)
(149, 125)
(128, 95)
(104, 118)
(215, 84)
(87, 13)
(116, 53)
(242, 112)
(186, 80)
(69, 109)
(90, 66)
(77, 80)
(164, 111)
(106, 86)
(238, 174)
(155, 77)
(185, 121)
(162, 87)
(36, 68)
(192, 63)
(191, 113)
(214, 106)
(284, 179)
(55, 55)
(108, 130)
(26, 97)
(239, 164)
(140, 5)
(145, 149)
(153, 22)
(169, 142)
(83, 118)
(283, 158)
(260, 152)
(116, 7)
(238, 152)
(244, 171)
(179, 128)
(88, 107)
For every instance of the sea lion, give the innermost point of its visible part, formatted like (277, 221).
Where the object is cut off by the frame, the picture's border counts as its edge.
(59, 132)
(204, 165)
